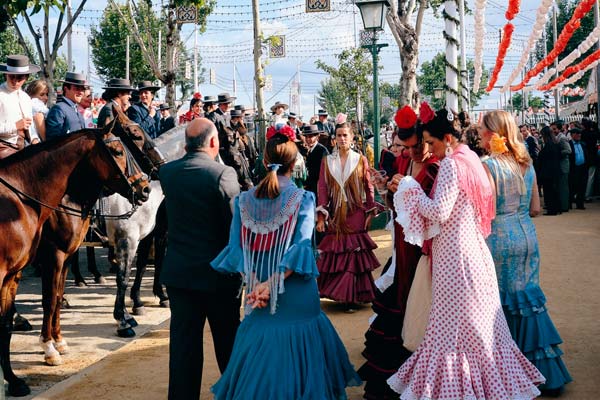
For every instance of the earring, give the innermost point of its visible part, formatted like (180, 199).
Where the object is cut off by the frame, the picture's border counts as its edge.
(449, 149)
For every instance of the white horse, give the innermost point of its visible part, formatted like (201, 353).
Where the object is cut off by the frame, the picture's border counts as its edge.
(124, 235)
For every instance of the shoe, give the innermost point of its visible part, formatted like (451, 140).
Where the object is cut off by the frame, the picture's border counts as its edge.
(581, 208)
(550, 213)
(557, 392)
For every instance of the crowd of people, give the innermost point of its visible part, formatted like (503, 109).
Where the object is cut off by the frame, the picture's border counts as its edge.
(290, 225)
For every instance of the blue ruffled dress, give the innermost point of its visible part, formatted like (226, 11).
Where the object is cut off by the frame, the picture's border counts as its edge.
(291, 350)
(514, 247)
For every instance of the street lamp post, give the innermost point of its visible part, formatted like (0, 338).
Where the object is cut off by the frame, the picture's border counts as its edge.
(373, 16)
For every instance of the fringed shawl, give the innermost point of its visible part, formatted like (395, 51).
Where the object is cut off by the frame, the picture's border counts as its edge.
(474, 182)
(266, 233)
(346, 187)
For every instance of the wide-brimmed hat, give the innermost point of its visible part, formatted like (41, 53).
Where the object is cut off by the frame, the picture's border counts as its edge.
(147, 85)
(209, 100)
(236, 113)
(240, 107)
(164, 106)
(119, 84)
(225, 98)
(292, 115)
(311, 130)
(74, 78)
(279, 104)
(18, 64)
(322, 112)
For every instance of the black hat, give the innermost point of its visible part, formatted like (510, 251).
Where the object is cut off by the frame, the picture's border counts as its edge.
(225, 98)
(311, 130)
(18, 64)
(279, 104)
(119, 84)
(73, 78)
(236, 113)
(147, 85)
(292, 115)
(164, 106)
(322, 112)
(240, 107)
(209, 100)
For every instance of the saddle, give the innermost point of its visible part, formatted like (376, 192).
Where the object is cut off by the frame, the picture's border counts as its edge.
(8, 149)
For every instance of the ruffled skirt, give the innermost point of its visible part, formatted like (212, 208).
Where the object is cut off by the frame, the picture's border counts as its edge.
(294, 354)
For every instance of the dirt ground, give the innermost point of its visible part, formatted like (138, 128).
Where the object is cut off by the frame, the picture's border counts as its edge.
(139, 368)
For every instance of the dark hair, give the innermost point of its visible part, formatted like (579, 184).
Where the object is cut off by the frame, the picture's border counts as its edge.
(575, 131)
(193, 102)
(343, 125)
(558, 123)
(546, 133)
(462, 118)
(278, 150)
(405, 134)
(440, 126)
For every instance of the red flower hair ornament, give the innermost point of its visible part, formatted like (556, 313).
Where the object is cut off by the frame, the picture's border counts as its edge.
(281, 129)
(426, 113)
(197, 95)
(405, 118)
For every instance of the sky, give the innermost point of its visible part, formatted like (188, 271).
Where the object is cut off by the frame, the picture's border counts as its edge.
(309, 37)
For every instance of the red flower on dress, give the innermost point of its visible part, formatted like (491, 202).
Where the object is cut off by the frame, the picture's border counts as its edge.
(426, 113)
(284, 130)
(405, 118)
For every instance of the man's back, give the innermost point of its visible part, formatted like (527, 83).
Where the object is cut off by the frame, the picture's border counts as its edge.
(198, 194)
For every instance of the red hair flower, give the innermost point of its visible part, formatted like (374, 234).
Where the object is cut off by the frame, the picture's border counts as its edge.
(281, 129)
(426, 113)
(405, 118)
(197, 95)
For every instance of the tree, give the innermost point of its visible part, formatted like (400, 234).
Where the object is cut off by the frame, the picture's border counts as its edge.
(387, 111)
(532, 101)
(332, 97)
(147, 43)
(433, 75)
(48, 53)
(351, 77)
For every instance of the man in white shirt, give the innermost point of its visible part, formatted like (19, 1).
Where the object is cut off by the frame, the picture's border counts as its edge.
(15, 105)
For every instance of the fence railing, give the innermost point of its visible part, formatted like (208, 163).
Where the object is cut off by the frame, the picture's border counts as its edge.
(545, 119)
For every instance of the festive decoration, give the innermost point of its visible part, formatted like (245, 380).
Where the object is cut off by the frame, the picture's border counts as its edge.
(536, 33)
(197, 96)
(579, 68)
(277, 47)
(317, 5)
(479, 36)
(513, 9)
(426, 114)
(405, 118)
(573, 91)
(498, 145)
(502, 49)
(452, 25)
(281, 129)
(570, 27)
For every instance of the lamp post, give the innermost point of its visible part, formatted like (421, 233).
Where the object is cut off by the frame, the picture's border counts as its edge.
(438, 93)
(373, 16)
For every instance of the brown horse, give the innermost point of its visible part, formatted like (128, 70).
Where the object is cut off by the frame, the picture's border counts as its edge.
(63, 234)
(32, 184)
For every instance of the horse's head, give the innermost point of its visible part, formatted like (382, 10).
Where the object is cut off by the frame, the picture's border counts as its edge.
(118, 169)
(141, 145)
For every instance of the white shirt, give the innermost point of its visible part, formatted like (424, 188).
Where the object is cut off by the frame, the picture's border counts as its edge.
(14, 106)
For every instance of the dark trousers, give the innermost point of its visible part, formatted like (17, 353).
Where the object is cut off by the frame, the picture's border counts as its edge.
(578, 184)
(189, 311)
(551, 196)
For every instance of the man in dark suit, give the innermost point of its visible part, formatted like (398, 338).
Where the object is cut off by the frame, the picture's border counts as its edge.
(314, 156)
(166, 119)
(578, 173)
(199, 193)
(143, 112)
(63, 118)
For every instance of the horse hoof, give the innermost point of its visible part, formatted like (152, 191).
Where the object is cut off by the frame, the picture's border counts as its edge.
(54, 360)
(141, 310)
(100, 280)
(80, 284)
(64, 304)
(21, 324)
(125, 333)
(18, 388)
(165, 303)
(62, 347)
(132, 322)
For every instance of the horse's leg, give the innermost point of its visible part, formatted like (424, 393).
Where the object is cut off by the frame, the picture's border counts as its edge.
(52, 273)
(92, 266)
(59, 342)
(124, 252)
(112, 260)
(74, 260)
(160, 247)
(140, 269)
(16, 386)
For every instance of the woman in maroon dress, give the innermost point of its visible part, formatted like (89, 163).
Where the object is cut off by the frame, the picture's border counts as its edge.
(384, 347)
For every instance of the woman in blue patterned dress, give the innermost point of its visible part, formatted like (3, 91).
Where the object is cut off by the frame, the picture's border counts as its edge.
(285, 348)
(514, 247)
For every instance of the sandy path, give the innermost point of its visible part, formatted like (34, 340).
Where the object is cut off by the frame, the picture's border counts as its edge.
(570, 260)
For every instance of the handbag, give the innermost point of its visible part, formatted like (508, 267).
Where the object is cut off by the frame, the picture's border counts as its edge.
(418, 306)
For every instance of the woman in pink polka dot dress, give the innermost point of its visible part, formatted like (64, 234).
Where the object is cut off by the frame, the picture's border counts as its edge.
(467, 352)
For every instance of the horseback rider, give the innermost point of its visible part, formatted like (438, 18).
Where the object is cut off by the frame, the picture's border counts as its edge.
(117, 94)
(142, 112)
(167, 121)
(64, 117)
(15, 105)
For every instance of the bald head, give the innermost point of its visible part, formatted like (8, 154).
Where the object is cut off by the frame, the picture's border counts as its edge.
(201, 135)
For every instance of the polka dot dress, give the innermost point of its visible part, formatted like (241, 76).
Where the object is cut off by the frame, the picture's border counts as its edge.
(467, 352)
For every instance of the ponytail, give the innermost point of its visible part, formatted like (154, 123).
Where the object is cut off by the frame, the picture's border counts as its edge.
(279, 158)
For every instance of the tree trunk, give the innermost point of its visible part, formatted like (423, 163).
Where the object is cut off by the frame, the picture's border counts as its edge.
(409, 92)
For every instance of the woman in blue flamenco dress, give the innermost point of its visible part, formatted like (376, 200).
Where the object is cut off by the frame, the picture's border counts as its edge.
(514, 247)
(285, 348)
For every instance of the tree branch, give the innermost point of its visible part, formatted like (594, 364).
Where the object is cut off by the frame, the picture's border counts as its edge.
(34, 34)
(420, 16)
(57, 28)
(57, 44)
(21, 37)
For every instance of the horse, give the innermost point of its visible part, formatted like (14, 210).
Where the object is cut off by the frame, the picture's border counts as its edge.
(63, 234)
(32, 184)
(125, 237)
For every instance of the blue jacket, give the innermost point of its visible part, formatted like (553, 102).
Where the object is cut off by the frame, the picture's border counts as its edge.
(63, 119)
(140, 115)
